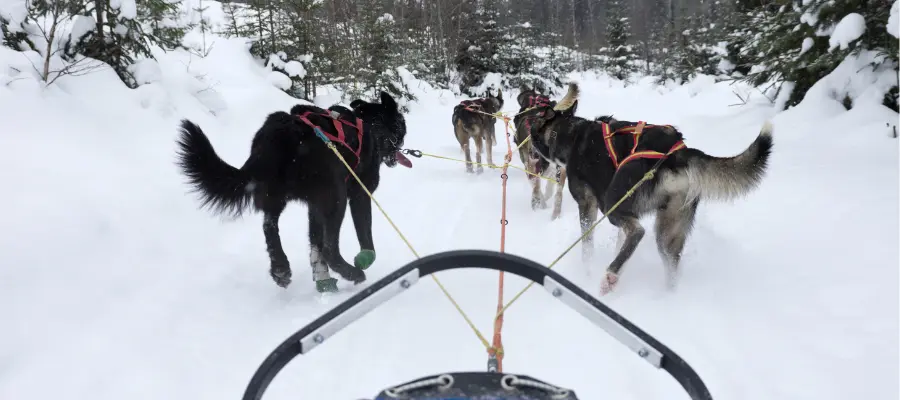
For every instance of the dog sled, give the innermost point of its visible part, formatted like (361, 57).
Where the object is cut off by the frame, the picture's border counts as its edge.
(476, 385)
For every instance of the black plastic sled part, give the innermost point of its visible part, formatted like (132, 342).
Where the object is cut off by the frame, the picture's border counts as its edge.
(476, 385)
(319, 330)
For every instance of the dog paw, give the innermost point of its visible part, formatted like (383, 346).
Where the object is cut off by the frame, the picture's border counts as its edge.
(327, 285)
(281, 276)
(479, 170)
(364, 259)
(672, 276)
(609, 283)
(349, 273)
(555, 215)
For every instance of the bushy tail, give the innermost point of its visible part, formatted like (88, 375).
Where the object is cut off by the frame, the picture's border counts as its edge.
(222, 187)
(728, 178)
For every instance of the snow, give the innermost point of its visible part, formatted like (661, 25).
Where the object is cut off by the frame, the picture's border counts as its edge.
(850, 28)
(893, 24)
(295, 69)
(280, 80)
(114, 285)
(81, 25)
(15, 12)
(806, 45)
(127, 8)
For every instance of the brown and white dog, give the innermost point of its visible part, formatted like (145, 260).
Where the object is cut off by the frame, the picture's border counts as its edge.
(471, 119)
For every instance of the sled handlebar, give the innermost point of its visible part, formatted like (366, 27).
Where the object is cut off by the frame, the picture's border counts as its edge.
(319, 330)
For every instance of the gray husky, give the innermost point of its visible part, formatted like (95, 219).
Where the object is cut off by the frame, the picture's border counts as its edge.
(605, 158)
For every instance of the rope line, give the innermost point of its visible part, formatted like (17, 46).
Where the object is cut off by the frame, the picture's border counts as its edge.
(647, 176)
(337, 153)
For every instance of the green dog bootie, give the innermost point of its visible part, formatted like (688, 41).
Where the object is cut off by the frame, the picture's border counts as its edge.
(364, 259)
(327, 285)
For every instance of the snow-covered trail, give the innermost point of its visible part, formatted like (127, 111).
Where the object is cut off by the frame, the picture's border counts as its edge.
(114, 285)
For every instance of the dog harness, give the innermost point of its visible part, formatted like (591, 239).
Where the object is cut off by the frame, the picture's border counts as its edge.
(472, 105)
(538, 100)
(635, 131)
(341, 137)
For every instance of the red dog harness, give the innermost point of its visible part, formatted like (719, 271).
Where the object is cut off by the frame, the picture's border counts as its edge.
(635, 131)
(472, 105)
(538, 100)
(339, 127)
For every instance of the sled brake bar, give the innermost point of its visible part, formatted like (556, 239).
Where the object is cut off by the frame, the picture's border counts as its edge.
(319, 330)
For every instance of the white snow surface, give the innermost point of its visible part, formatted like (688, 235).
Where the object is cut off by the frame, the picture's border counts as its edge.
(295, 68)
(848, 29)
(893, 24)
(114, 285)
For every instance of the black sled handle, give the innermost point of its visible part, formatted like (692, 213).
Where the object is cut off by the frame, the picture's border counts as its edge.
(316, 332)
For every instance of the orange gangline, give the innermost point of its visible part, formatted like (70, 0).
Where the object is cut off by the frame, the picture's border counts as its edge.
(497, 345)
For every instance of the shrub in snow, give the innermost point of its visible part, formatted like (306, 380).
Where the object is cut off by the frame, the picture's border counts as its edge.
(287, 75)
(801, 44)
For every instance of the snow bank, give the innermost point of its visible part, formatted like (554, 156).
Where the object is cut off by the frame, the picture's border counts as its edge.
(853, 78)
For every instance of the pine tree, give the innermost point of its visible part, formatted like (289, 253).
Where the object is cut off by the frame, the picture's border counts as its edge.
(620, 56)
(119, 34)
(478, 52)
(381, 52)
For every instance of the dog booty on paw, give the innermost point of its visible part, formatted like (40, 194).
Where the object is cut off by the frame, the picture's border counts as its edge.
(327, 285)
(364, 259)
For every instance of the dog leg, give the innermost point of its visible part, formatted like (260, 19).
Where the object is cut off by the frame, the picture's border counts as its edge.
(335, 207)
(479, 148)
(320, 274)
(361, 211)
(633, 232)
(469, 168)
(623, 217)
(548, 189)
(279, 266)
(489, 149)
(533, 164)
(463, 138)
(557, 202)
(587, 214)
(674, 222)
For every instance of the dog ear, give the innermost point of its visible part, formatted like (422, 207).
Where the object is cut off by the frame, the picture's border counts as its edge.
(388, 101)
(522, 98)
(357, 103)
(500, 94)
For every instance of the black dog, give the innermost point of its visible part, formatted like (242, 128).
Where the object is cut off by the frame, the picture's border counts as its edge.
(470, 121)
(605, 159)
(289, 160)
(534, 163)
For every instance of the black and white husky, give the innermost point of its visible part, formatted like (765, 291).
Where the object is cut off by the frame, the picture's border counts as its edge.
(599, 176)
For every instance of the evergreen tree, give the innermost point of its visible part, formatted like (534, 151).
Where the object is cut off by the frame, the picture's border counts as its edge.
(382, 54)
(125, 32)
(792, 43)
(620, 56)
(478, 52)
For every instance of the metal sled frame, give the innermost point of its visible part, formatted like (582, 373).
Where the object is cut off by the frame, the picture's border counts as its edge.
(316, 332)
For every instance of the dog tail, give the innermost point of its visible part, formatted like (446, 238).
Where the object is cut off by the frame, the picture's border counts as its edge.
(569, 99)
(729, 178)
(223, 187)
